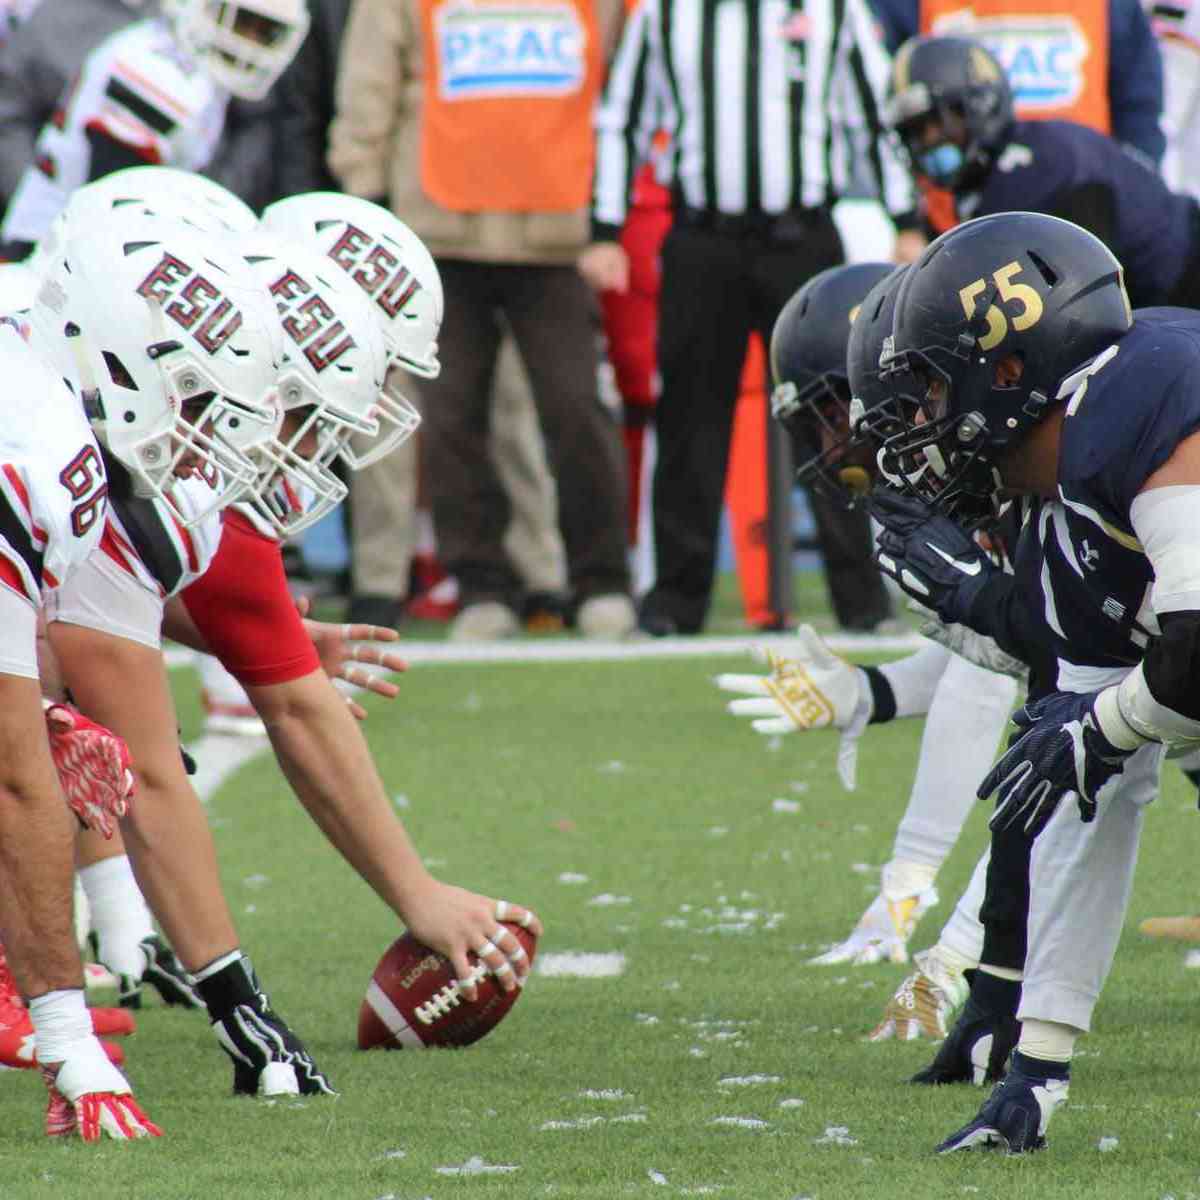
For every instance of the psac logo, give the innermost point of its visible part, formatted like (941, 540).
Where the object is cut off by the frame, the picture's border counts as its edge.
(192, 301)
(1043, 57)
(375, 269)
(310, 322)
(531, 49)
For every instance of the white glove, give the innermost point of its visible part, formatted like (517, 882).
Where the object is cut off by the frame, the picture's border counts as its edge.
(809, 688)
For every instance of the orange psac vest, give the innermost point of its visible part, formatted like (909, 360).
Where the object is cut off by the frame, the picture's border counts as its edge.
(1054, 54)
(509, 91)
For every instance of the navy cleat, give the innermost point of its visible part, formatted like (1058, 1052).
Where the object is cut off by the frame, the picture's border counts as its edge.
(1014, 1117)
(975, 1051)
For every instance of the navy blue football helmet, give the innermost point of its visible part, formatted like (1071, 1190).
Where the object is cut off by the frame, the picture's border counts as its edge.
(954, 82)
(811, 394)
(990, 321)
(882, 403)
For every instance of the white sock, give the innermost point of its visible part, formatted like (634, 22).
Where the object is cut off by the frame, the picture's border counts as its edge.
(961, 938)
(120, 918)
(1048, 1040)
(60, 1022)
(967, 716)
(903, 879)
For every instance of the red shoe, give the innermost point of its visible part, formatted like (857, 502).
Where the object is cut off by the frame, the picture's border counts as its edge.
(439, 603)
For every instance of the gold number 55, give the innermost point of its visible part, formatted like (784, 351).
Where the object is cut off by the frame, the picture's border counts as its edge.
(1022, 293)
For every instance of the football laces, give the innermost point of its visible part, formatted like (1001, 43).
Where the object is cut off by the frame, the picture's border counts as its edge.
(450, 996)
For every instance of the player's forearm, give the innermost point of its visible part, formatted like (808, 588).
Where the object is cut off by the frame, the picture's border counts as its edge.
(326, 760)
(36, 850)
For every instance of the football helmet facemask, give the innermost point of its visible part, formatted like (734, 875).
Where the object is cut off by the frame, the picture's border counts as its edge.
(245, 45)
(396, 271)
(174, 348)
(329, 382)
(990, 321)
(958, 85)
(811, 394)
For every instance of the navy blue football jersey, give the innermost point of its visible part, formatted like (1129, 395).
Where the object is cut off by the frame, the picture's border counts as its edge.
(1078, 556)
(1045, 162)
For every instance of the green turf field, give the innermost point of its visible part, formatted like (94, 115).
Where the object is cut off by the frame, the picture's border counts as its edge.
(621, 802)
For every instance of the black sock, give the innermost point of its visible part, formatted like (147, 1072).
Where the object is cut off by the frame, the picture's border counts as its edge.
(234, 984)
(1041, 1067)
(998, 997)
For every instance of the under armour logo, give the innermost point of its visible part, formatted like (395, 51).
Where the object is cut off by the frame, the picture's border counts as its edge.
(1089, 556)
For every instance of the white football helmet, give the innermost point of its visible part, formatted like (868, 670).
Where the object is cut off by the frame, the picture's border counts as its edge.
(175, 350)
(18, 287)
(245, 45)
(334, 362)
(394, 267)
(167, 191)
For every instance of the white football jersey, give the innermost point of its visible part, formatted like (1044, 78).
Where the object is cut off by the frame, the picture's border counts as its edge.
(53, 488)
(1177, 25)
(137, 87)
(147, 540)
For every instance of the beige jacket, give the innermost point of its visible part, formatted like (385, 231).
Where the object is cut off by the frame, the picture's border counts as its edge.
(375, 142)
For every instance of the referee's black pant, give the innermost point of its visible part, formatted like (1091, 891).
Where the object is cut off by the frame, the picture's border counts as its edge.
(718, 285)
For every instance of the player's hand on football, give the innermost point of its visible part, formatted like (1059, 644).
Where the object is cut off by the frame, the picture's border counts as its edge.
(1060, 749)
(932, 559)
(346, 650)
(89, 1096)
(93, 766)
(462, 925)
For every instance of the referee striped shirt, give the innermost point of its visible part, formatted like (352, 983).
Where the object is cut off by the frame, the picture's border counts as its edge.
(770, 105)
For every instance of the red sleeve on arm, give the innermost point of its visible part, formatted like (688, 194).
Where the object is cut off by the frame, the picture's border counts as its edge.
(243, 608)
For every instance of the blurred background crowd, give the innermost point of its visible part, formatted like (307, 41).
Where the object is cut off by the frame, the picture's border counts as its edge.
(620, 197)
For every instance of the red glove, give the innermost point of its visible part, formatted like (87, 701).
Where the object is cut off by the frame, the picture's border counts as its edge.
(93, 768)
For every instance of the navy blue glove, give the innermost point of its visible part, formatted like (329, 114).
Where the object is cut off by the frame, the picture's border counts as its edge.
(929, 556)
(1059, 750)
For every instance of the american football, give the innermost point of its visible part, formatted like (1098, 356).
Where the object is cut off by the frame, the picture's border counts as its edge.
(413, 999)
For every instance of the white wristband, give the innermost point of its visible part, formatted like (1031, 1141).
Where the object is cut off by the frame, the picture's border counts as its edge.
(1112, 721)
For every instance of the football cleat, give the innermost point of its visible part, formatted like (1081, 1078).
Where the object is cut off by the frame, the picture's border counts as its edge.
(882, 932)
(1176, 929)
(164, 972)
(976, 1049)
(924, 1003)
(1014, 1117)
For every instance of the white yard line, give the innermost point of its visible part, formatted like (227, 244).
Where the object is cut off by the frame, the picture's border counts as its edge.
(580, 650)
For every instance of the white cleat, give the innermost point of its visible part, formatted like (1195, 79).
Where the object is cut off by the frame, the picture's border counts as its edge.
(882, 932)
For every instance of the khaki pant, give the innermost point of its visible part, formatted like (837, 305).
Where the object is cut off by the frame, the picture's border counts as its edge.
(385, 497)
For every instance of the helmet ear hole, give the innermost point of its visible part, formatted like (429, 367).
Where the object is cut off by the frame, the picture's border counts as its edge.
(1046, 271)
(118, 373)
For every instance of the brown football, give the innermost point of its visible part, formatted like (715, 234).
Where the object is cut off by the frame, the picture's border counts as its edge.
(413, 1001)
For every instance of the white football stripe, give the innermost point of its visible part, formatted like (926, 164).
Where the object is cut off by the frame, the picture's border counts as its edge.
(392, 1018)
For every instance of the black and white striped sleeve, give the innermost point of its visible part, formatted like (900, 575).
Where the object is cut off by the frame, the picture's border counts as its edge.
(626, 117)
(868, 66)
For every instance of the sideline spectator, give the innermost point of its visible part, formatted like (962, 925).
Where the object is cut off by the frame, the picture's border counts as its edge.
(489, 162)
